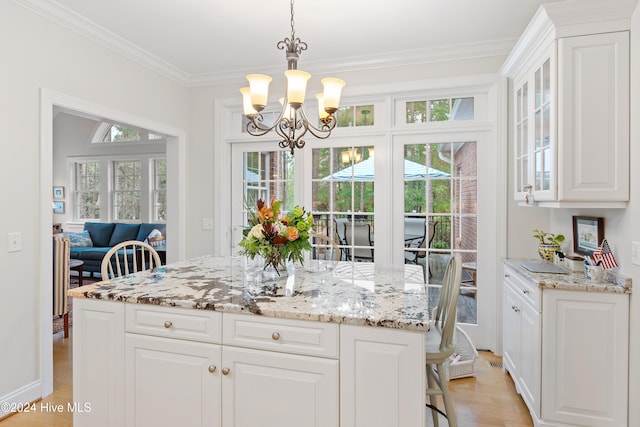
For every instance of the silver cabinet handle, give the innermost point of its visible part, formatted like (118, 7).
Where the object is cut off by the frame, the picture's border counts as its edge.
(516, 309)
(168, 324)
(275, 336)
(225, 371)
(507, 275)
(212, 369)
(526, 291)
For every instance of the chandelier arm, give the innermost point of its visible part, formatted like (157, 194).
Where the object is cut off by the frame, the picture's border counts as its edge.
(324, 131)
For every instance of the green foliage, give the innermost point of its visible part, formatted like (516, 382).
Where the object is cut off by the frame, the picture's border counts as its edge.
(277, 238)
(548, 238)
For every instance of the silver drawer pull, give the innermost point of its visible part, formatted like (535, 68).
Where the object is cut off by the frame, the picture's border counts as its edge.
(275, 336)
(515, 308)
(526, 291)
(212, 369)
(225, 371)
(168, 324)
(507, 275)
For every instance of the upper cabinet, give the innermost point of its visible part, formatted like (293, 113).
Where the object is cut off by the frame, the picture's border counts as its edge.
(569, 108)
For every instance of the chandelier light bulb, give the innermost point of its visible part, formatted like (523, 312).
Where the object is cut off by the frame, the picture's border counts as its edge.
(246, 101)
(296, 87)
(259, 86)
(332, 90)
(321, 111)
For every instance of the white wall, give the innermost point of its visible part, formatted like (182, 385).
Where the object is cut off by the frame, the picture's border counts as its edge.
(37, 53)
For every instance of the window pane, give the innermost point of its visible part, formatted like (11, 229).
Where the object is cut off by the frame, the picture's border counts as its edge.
(87, 190)
(462, 109)
(345, 116)
(269, 174)
(364, 115)
(127, 185)
(416, 112)
(160, 190)
(439, 110)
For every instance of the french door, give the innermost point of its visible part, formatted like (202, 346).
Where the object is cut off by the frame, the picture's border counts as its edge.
(443, 192)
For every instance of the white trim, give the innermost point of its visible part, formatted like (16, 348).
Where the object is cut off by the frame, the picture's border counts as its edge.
(102, 36)
(176, 212)
(23, 396)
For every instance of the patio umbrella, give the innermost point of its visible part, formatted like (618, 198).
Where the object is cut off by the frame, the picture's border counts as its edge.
(364, 171)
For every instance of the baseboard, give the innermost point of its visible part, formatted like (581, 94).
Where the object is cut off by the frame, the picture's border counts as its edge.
(13, 402)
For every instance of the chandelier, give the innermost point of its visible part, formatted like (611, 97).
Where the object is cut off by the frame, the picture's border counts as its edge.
(292, 123)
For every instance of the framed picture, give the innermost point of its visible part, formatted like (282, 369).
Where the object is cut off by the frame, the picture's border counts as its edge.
(58, 192)
(58, 207)
(588, 233)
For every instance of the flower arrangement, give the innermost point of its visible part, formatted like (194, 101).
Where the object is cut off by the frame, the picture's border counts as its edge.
(276, 238)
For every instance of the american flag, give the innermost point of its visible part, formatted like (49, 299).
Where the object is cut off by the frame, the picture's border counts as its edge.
(604, 254)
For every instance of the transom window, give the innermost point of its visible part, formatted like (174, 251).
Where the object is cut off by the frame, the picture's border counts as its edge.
(360, 115)
(110, 133)
(439, 110)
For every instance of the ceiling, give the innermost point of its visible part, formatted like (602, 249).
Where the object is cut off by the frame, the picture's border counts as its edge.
(206, 41)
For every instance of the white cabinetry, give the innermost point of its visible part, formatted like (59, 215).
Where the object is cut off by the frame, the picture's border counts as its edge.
(585, 355)
(98, 362)
(570, 107)
(380, 381)
(522, 337)
(567, 352)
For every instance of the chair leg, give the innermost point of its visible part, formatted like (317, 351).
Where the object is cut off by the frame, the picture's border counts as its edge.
(448, 403)
(66, 324)
(433, 399)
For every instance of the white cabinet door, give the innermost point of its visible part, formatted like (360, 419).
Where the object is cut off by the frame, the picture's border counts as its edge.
(171, 382)
(262, 388)
(593, 117)
(585, 358)
(98, 362)
(529, 374)
(382, 377)
(511, 339)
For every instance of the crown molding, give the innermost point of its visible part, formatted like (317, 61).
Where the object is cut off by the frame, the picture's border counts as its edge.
(69, 19)
(364, 63)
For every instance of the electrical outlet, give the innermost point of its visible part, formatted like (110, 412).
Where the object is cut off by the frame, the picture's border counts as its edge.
(635, 253)
(207, 223)
(14, 242)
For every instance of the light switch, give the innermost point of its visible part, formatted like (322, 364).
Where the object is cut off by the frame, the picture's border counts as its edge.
(635, 253)
(207, 223)
(14, 242)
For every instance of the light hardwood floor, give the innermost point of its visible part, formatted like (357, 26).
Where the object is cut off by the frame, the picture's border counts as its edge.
(487, 400)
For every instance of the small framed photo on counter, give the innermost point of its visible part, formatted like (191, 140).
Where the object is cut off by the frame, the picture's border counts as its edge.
(58, 192)
(588, 233)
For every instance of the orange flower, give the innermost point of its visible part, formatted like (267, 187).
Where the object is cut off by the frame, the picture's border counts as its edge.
(292, 234)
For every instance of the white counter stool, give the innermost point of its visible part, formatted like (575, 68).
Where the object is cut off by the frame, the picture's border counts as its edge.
(439, 342)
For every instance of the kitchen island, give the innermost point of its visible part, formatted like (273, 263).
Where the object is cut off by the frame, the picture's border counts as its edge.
(209, 341)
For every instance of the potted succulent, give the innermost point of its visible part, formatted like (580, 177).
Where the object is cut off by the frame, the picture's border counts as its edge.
(549, 243)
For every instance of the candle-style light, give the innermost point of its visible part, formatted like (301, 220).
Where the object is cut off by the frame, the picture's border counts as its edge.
(292, 123)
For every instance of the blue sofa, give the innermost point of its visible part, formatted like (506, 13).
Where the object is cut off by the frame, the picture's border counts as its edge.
(103, 236)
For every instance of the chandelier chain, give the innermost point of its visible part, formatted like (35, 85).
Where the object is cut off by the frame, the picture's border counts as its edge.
(293, 30)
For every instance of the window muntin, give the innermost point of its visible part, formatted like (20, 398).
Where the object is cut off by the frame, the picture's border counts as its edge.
(438, 110)
(127, 186)
(87, 190)
(159, 190)
(343, 202)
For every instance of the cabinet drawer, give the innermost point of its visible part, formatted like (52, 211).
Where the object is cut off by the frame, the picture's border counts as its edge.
(188, 324)
(524, 287)
(284, 335)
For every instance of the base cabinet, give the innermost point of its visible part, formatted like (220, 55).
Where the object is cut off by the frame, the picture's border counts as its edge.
(585, 355)
(144, 365)
(569, 360)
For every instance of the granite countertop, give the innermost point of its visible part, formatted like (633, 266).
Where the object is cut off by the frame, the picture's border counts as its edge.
(339, 292)
(612, 282)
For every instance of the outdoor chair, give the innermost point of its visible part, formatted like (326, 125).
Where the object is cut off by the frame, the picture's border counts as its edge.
(361, 236)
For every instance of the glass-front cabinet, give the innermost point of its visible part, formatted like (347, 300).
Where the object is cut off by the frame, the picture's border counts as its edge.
(534, 139)
(570, 109)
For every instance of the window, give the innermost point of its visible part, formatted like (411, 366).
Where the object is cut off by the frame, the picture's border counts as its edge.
(87, 190)
(438, 110)
(361, 115)
(111, 133)
(159, 190)
(127, 183)
(343, 201)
